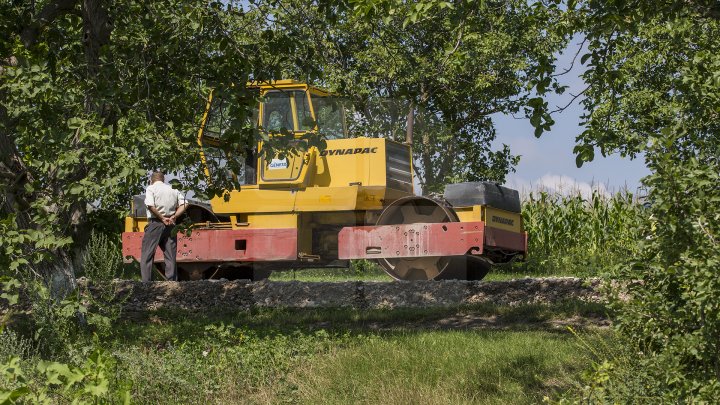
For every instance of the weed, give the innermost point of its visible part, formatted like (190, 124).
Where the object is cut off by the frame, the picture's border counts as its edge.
(13, 344)
(101, 258)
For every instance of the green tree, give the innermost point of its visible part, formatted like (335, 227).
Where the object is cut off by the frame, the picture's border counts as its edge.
(93, 94)
(453, 64)
(653, 87)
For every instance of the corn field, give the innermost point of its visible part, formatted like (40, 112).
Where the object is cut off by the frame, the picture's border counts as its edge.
(574, 235)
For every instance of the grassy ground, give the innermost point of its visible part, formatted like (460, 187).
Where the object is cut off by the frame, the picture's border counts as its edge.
(375, 273)
(451, 367)
(349, 356)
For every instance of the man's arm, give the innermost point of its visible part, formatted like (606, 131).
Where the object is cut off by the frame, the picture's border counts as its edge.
(181, 209)
(158, 215)
(182, 206)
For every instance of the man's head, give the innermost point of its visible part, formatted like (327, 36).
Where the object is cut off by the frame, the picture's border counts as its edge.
(157, 176)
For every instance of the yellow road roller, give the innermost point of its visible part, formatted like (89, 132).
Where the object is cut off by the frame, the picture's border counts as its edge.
(355, 199)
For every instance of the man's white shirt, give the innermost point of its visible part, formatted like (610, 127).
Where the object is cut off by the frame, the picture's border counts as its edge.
(164, 198)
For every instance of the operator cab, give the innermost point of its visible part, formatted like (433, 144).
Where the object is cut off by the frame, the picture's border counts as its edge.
(286, 106)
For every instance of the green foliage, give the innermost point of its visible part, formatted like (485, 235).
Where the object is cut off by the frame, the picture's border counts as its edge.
(101, 259)
(61, 327)
(101, 264)
(83, 117)
(13, 344)
(50, 382)
(58, 325)
(615, 375)
(79, 371)
(672, 317)
(568, 234)
(652, 88)
(10, 290)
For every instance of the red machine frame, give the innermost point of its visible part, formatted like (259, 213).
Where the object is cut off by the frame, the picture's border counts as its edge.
(358, 242)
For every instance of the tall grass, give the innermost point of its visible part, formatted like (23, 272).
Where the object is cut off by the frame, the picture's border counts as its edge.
(575, 235)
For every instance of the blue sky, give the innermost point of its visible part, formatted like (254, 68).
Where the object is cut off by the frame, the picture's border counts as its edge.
(549, 161)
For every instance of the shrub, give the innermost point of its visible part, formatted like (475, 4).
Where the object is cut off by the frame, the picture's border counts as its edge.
(93, 381)
(101, 259)
(14, 345)
(672, 317)
(669, 319)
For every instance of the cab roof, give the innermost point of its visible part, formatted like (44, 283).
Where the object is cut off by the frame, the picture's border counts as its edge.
(286, 84)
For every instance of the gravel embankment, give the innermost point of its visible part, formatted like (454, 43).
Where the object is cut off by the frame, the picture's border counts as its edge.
(240, 295)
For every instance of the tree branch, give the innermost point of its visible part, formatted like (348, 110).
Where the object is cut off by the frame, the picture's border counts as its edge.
(572, 100)
(48, 14)
(572, 63)
(96, 32)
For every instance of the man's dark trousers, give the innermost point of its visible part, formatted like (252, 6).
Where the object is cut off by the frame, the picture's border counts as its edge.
(158, 234)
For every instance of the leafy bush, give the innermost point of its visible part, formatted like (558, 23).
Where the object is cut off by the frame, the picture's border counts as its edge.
(668, 312)
(59, 325)
(101, 264)
(14, 345)
(91, 382)
(62, 323)
(672, 317)
(101, 259)
(63, 364)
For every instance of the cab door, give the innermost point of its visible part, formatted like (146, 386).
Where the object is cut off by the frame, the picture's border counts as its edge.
(240, 164)
(286, 111)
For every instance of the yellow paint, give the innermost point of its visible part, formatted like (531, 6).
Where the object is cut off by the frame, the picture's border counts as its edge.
(326, 199)
(265, 220)
(205, 116)
(501, 219)
(493, 217)
(131, 225)
(251, 199)
(469, 214)
(364, 164)
(349, 174)
(292, 170)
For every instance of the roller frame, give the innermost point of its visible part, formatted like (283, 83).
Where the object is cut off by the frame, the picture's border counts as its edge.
(411, 240)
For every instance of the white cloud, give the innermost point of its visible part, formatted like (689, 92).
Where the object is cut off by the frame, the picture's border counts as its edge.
(554, 183)
(567, 185)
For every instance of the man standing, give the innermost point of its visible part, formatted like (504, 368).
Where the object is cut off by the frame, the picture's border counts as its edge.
(164, 206)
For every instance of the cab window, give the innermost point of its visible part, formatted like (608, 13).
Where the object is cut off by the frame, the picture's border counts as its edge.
(217, 121)
(277, 112)
(302, 105)
(216, 160)
(330, 116)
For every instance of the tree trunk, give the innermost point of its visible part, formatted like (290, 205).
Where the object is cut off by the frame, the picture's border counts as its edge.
(57, 271)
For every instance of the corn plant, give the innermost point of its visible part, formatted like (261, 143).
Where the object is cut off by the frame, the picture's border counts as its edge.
(574, 235)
